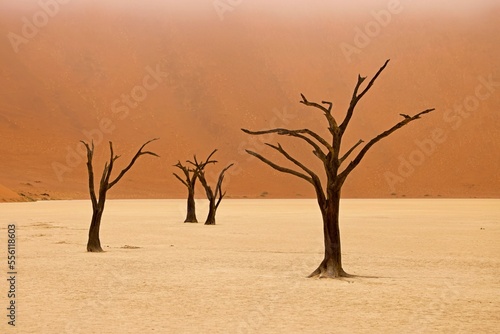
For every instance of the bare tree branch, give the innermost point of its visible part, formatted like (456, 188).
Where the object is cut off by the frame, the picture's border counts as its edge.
(342, 176)
(372, 81)
(204, 183)
(208, 161)
(189, 181)
(280, 149)
(202, 164)
(355, 97)
(108, 168)
(314, 104)
(316, 181)
(199, 171)
(341, 160)
(184, 169)
(180, 179)
(328, 112)
(280, 168)
(90, 154)
(298, 134)
(137, 155)
(218, 188)
(329, 104)
(103, 184)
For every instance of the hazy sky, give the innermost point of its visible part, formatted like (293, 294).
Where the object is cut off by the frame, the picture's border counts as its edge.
(283, 7)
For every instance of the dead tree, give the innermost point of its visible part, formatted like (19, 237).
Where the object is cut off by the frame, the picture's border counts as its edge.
(336, 167)
(189, 182)
(190, 177)
(94, 243)
(214, 196)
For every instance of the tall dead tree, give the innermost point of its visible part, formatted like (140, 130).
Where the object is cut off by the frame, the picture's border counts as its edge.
(214, 196)
(190, 177)
(336, 167)
(94, 243)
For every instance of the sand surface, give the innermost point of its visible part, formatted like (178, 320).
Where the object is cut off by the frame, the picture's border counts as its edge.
(426, 266)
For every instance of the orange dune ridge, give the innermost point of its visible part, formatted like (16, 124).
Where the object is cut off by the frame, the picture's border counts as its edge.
(194, 74)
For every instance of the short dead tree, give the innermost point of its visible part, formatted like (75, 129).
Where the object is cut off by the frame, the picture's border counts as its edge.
(214, 196)
(189, 180)
(94, 243)
(336, 167)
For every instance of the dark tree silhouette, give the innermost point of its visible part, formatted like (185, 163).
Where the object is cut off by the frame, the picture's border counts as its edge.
(214, 196)
(94, 243)
(190, 177)
(328, 152)
(189, 182)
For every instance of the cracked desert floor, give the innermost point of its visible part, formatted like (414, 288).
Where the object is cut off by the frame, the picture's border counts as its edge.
(423, 266)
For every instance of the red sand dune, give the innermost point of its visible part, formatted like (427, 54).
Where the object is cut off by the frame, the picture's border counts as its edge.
(214, 77)
(7, 195)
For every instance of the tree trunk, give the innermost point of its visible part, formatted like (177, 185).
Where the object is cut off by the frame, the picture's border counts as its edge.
(211, 213)
(191, 209)
(331, 266)
(94, 244)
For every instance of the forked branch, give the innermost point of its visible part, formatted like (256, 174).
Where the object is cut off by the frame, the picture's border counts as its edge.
(356, 97)
(199, 170)
(280, 168)
(202, 164)
(218, 189)
(134, 159)
(189, 175)
(327, 111)
(280, 149)
(341, 160)
(407, 119)
(372, 81)
(299, 134)
(90, 155)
